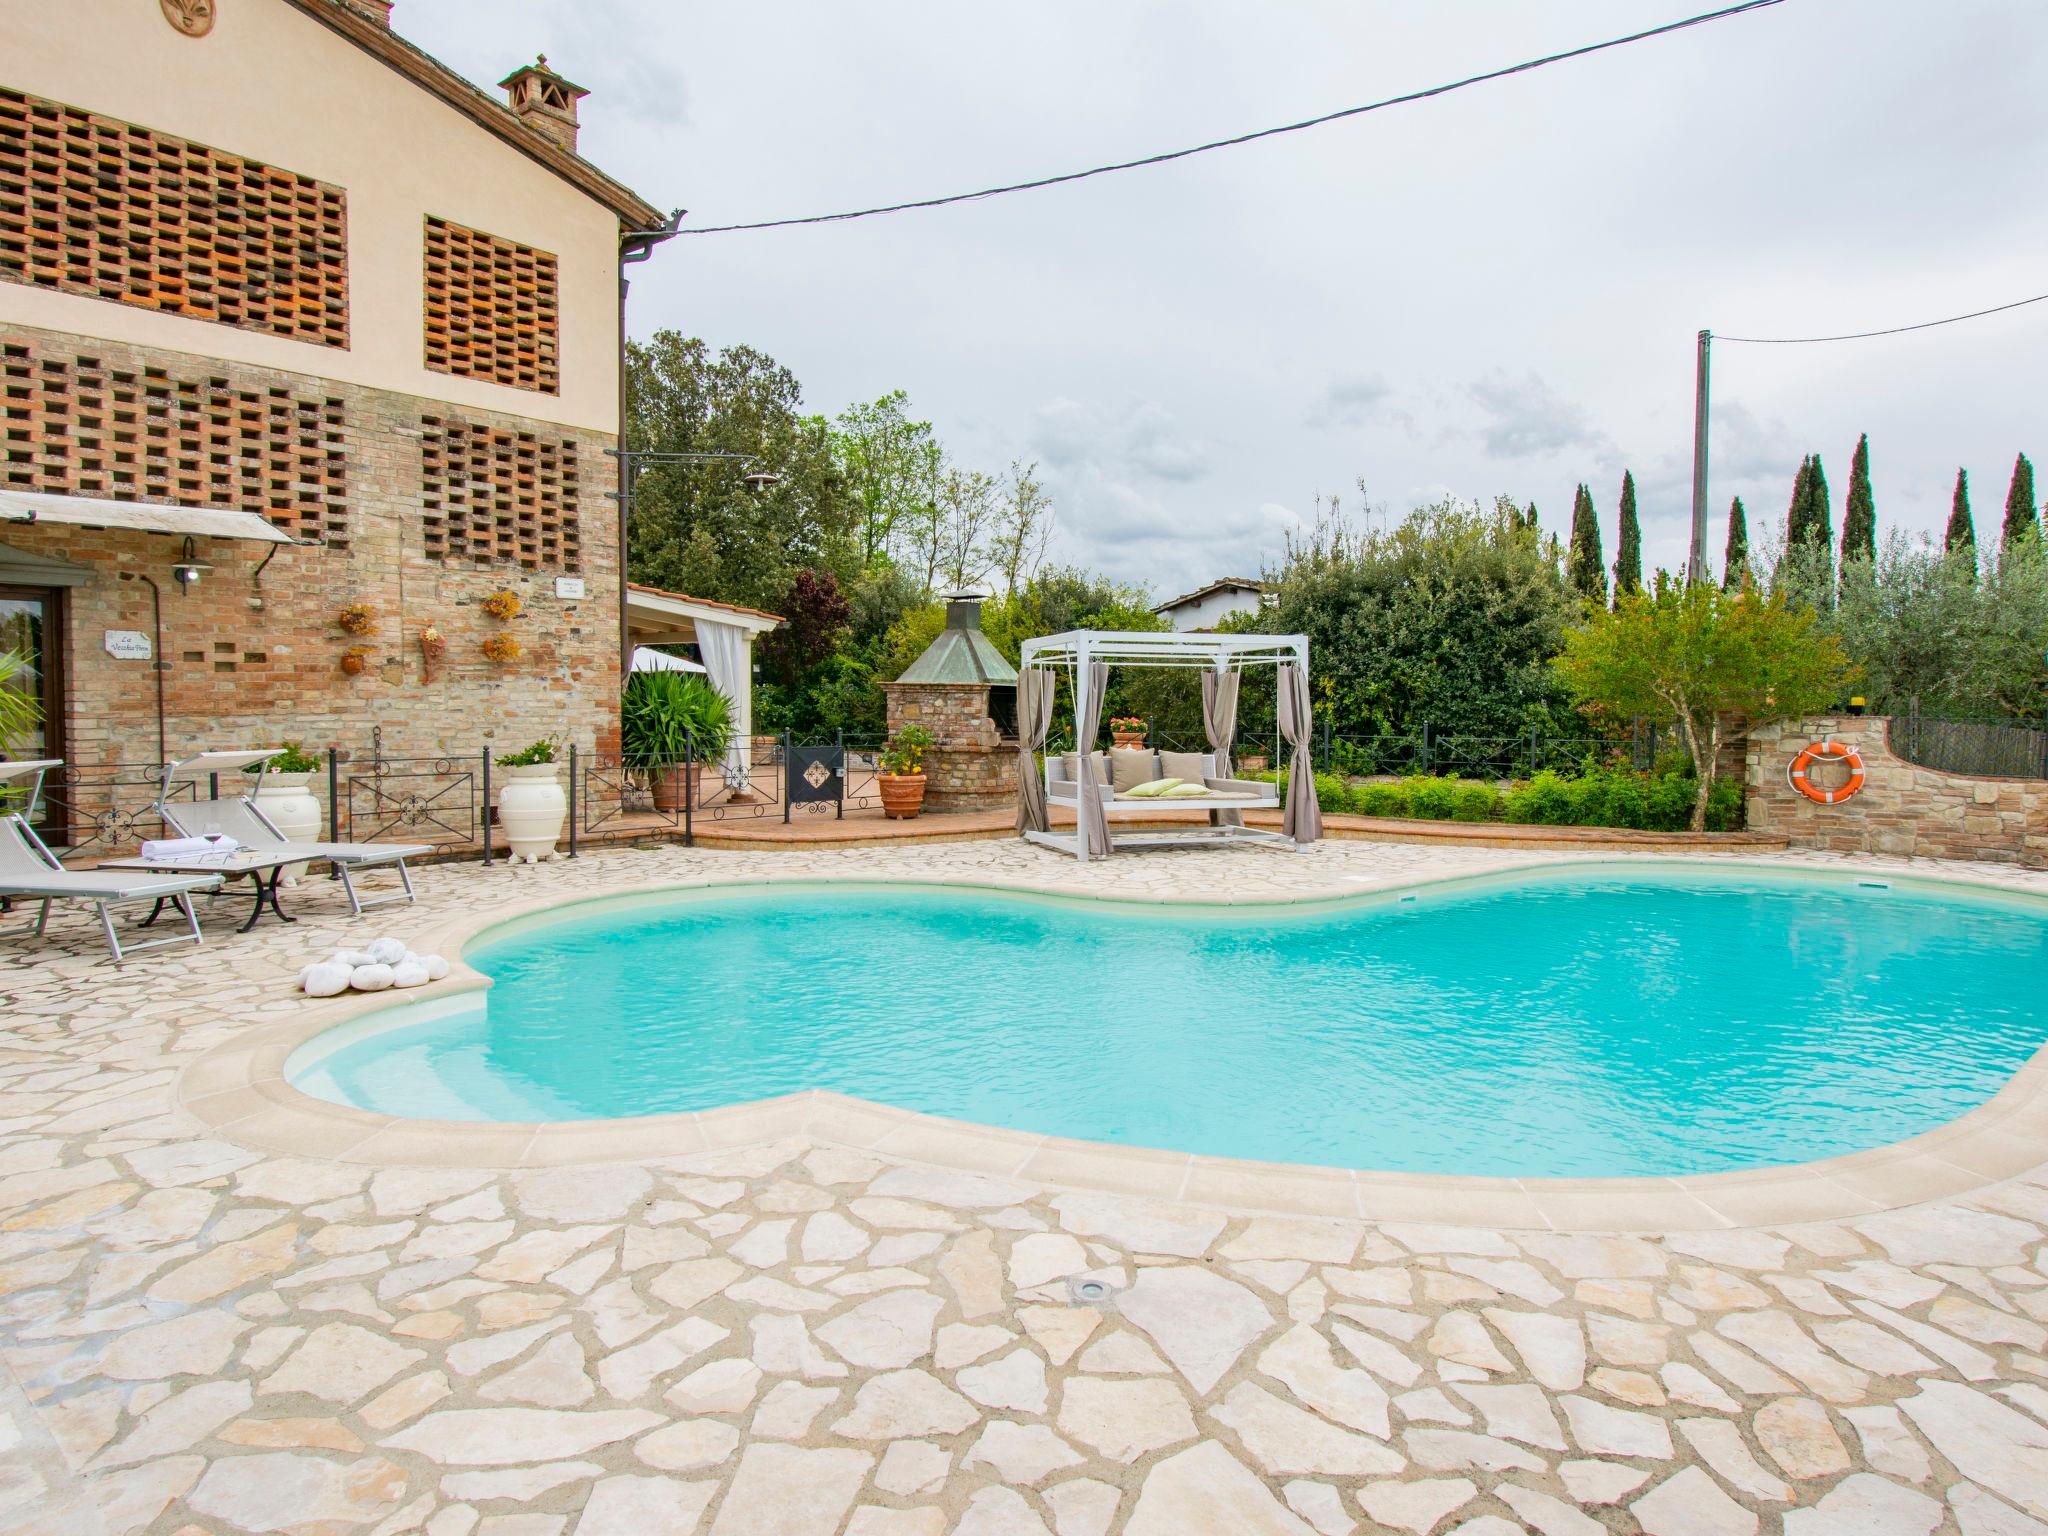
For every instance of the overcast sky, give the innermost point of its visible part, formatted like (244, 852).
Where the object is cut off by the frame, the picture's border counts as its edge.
(1493, 292)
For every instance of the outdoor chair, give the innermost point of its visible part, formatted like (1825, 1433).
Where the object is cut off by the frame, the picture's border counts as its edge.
(239, 817)
(29, 871)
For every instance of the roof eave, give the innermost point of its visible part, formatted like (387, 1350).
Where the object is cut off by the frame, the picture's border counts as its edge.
(430, 74)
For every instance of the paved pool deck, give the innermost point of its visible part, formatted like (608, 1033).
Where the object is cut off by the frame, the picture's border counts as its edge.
(803, 1327)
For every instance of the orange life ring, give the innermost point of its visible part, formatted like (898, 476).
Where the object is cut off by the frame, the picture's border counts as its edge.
(1813, 753)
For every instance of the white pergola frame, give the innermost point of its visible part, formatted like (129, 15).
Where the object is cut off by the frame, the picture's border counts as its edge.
(1073, 650)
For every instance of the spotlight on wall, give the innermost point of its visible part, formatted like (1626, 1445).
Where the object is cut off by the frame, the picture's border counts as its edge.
(188, 568)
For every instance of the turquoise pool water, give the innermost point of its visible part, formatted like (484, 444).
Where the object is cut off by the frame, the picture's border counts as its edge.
(1578, 1023)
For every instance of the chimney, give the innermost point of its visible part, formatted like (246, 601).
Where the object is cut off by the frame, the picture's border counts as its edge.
(542, 99)
(378, 11)
(963, 609)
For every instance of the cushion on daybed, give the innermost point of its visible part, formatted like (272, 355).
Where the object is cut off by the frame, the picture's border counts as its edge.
(1131, 766)
(1185, 766)
(1187, 792)
(1101, 763)
(1149, 791)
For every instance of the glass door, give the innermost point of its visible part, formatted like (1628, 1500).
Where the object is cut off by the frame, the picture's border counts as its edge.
(31, 631)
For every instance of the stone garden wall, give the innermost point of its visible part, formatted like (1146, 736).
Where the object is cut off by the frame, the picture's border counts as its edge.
(1903, 809)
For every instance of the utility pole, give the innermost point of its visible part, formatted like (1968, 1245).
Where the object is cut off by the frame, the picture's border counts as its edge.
(1696, 562)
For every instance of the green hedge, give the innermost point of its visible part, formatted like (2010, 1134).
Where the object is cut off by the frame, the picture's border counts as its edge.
(1598, 797)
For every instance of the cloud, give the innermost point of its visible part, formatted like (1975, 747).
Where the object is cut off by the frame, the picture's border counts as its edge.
(1348, 400)
(1526, 418)
(1142, 439)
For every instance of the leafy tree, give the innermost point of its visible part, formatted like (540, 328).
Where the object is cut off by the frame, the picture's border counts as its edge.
(967, 516)
(1696, 653)
(2022, 520)
(1449, 617)
(1735, 559)
(1962, 533)
(700, 528)
(1584, 571)
(880, 450)
(1927, 629)
(1023, 526)
(1859, 514)
(1628, 544)
(814, 614)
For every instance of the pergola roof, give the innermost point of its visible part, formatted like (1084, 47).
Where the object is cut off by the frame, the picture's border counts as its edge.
(1177, 648)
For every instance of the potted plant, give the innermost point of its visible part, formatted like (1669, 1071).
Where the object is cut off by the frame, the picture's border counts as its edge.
(502, 604)
(670, 725)
(354, 660)
(531, 806)
(1127, 731)
(1251, 762)
(902, 777)
(357, 618)
(502, 649)
(286, 799)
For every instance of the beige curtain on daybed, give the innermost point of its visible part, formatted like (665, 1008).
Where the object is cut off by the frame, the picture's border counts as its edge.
(1093, 824)
(1034, 719)
(1301, 819)
(1219, 724)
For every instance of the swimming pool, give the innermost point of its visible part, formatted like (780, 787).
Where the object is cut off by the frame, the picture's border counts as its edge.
(1576, 1022)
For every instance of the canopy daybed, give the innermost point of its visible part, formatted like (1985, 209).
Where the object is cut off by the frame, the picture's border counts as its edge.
(1086, 783)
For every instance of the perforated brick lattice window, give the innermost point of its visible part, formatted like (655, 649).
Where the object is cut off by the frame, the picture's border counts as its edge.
(491, 308)
(92, 205)
(489, 495)
(80, 427)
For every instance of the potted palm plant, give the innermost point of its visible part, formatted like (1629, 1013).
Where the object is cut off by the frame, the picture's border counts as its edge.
(902, 777)
(670, 725)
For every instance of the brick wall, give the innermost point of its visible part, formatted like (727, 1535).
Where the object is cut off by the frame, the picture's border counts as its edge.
(1902, 809)
(970, 766)
(252, 662)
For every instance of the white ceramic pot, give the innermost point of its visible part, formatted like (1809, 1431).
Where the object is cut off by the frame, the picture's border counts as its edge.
(287, 801)
(532, 809)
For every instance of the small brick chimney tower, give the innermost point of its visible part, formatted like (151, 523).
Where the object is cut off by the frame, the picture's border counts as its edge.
(542, 99)
(378, 11)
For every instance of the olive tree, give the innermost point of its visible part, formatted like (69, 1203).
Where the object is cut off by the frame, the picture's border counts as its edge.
(1697, 653)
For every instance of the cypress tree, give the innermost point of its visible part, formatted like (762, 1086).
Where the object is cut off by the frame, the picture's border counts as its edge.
(1628, 546)
(1795, 514)
(2021, 519)
(1859, 512)
(1962, 533)
(1583, 570)
(1529, 517)
(1735, 561)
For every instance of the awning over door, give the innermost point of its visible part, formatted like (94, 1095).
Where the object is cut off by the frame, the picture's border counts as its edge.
(143, 516)
(19, 568)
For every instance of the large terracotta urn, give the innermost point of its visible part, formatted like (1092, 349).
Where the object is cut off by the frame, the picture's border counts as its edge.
(288, 803)
(902, 794)
(532, 809)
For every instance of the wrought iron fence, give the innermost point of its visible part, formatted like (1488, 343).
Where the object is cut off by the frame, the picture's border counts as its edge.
(1991, 749)
(442, 800)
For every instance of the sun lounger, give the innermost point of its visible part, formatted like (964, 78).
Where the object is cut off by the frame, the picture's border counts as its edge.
(240, 818)
(30, 872)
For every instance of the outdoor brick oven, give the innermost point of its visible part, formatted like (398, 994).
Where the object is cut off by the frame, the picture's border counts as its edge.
(965, 694)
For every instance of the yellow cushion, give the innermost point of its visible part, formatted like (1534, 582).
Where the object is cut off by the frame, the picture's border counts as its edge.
(1149, 791)
(1186, 792)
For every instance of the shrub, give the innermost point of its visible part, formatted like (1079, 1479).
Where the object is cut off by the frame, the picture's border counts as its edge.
(665, 717)
(1332, 794)
(1545, 801)
(1475, 802)
(1618, 797)
(542, 751)
(1379, 799)
(1431, 799)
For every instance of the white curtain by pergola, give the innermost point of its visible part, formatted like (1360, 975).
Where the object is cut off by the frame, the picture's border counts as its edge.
(728, 661)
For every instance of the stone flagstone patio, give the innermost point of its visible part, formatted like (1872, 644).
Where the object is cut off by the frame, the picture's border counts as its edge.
(802, 1339)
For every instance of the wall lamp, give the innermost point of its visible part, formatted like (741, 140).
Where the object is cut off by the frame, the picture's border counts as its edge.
(188, 567)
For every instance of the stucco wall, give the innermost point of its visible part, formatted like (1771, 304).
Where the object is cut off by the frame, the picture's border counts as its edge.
(275, 85)
(1902, 809)
(1213, 610)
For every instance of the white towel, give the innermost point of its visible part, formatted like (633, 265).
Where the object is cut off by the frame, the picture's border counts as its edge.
(181, 849)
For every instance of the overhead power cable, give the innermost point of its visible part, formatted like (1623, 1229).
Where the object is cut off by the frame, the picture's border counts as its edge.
(1524, 67)
(1896, 330)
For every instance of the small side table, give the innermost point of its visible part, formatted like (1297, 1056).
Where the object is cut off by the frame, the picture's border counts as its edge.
(263, 870)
